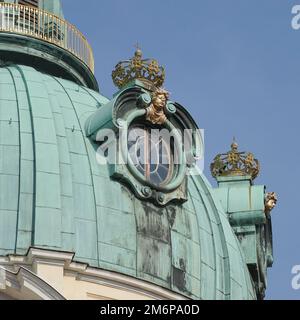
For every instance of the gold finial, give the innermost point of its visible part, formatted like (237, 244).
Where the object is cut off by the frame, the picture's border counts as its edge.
(138, 50)
(235, 163)
(145, 70)
(234, 145)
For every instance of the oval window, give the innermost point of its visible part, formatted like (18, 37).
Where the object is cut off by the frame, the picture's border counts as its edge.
(151, 154)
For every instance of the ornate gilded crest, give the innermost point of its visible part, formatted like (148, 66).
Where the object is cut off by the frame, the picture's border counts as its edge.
(152, 76)
(137, 68)
(235, 163)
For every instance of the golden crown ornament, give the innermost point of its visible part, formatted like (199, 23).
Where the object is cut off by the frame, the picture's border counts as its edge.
(137, 68)
(235, 163)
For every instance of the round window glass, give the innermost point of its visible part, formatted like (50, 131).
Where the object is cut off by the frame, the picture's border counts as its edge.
(151, 154)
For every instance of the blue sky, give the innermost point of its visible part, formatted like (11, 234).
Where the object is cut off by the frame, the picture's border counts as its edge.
(235, 65)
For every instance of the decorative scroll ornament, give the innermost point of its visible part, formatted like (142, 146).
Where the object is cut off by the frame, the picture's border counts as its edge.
(235, 163)
(156, 110)
(270, 201)
(145, 70)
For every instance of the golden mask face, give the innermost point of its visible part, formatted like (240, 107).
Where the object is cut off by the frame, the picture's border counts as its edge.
(271, 204)
(159, 101)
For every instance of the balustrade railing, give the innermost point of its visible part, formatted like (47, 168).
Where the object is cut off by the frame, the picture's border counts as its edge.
(43, 25)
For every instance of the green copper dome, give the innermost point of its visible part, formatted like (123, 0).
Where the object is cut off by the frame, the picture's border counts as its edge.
(178, 233)
(54, 195)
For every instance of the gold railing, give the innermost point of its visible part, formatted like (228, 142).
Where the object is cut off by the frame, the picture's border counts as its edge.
(43, 25)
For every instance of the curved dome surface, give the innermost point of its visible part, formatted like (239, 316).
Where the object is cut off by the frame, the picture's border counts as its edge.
(55, 195)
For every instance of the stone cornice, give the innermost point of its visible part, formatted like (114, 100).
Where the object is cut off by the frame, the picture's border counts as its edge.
(25, 279)
(83, 272)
